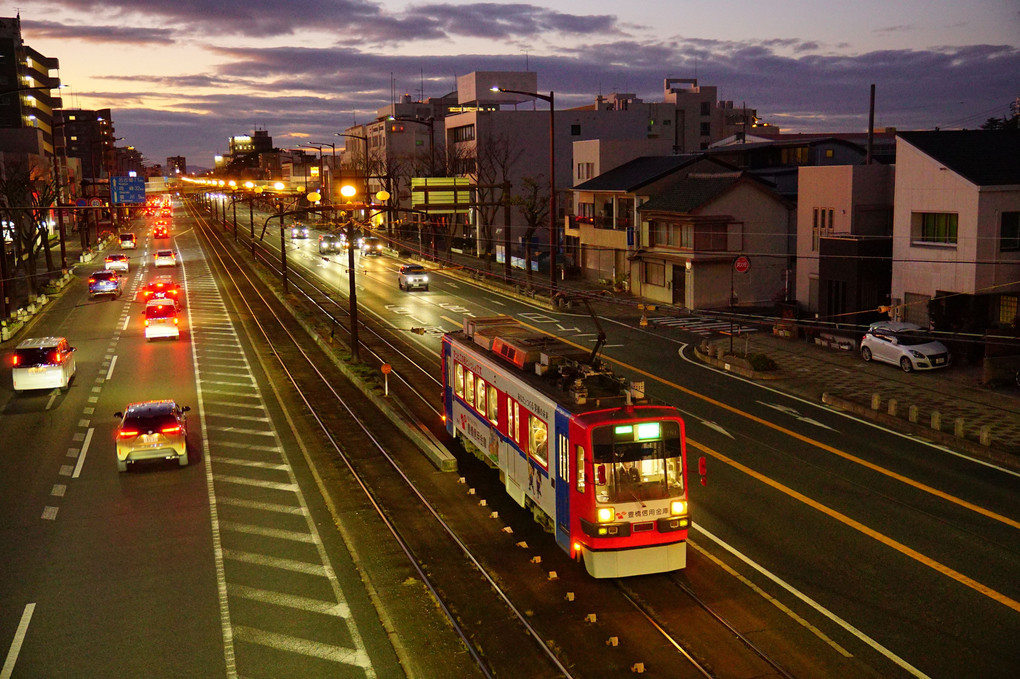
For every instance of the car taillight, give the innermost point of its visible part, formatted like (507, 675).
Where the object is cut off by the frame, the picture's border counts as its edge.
(58, 358)
(92, 280)
(15, 360)
(146, 322)
(127, 433)
(175, 320)
(174, 429)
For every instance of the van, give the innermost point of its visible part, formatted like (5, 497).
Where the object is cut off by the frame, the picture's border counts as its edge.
(43, 363)
(161, 319)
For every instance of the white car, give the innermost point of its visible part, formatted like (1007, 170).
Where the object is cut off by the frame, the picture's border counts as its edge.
(43, 363)
(117, 262)
(413, 276)
(165, 258)
(910, 349)
(128, 241)
(161, 319)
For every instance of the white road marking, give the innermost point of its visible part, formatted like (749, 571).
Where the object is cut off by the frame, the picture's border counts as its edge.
(126, 321)
(58, 490)
(84, 451)
(109, 373)
(277, 562)
(817, 606)
(53, 397)
(283, 642)
(263, 506)
(49, 513)
(17, 641)
(296, 536)
(290, 601)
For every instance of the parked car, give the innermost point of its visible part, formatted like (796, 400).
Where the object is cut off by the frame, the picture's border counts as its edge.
(162, 287)
(161, 319)
(43, 363)
(128, 241)
(413, 276)
(298, 230)
(909, 349)
(165, 258)
(152, 430)
(329, 243)
(105, 282)
(372, 246)
(118, 262)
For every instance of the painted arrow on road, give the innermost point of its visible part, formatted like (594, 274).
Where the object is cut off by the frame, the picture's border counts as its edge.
(792, 412)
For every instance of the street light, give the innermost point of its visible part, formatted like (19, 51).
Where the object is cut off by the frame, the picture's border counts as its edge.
(553, 241)
(348, 192)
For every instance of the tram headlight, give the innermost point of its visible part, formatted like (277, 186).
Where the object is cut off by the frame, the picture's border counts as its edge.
(606, 514)
(678, 507)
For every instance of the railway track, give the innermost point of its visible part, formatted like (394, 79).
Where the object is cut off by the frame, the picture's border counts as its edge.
(390, 475)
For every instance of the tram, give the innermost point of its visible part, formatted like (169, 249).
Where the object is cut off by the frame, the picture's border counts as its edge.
(599, 466)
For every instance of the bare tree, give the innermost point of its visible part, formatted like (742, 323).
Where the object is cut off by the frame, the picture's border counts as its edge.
(496, 156)
(533, 204)
(27, 190)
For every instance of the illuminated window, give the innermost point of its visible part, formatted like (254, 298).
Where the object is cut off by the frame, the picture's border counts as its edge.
(563, 456)
(511, 431)
(493, 403)
(469, 387)
(538, 440)
(934, 227)
(579, 461)
(517, 421)
(480, 396)
(458, 379)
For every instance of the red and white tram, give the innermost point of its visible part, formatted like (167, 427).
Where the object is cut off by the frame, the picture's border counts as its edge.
(599, 466)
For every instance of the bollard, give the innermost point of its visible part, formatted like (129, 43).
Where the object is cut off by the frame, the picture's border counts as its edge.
(891, 407)
(913, 414)
(958, 428)
(985, 435)
(876, 401)
(936, 420)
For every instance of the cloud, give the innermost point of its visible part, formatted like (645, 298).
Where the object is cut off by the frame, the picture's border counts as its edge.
(98, 34)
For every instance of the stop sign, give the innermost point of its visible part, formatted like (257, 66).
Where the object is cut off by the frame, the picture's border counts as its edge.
(741, 264)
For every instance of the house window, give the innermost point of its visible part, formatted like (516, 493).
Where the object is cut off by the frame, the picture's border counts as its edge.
(706, 108)
(1008, 314)
(463, 133)
(654, 274)
(706, 129)
(575, 130)
(934, 227)
(1009, 235)
(687, 236)
(711, 237)
(538, 440)
(830, 153)
(657, 233)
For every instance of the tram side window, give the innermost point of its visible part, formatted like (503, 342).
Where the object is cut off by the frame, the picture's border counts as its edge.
(493, 403)
(458, 379)
(480, 396)
(579, 460)
(538, 440)
(511, 421)
(469, 387)
(563, 456)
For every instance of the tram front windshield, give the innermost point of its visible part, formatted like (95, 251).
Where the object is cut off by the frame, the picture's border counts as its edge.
(637, 462)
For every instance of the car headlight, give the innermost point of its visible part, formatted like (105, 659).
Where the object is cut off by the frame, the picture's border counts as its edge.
(425, 278)
(916, 354)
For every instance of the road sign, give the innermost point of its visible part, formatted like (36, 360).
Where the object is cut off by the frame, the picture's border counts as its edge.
(127, 190)
(95, 202)
(81, 202)
(741, 264)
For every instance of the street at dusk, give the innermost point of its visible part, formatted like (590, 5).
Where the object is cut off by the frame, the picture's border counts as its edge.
(391, 340)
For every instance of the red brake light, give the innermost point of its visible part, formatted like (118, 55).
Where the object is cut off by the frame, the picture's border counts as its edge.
(58, 357)
(172, 429)
(127, 433)
(92, 280)
(15, 360)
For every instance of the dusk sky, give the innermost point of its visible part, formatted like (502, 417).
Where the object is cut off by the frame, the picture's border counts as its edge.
(183, 76)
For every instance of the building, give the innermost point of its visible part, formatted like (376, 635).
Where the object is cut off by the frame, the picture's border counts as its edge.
(714, 240)
(844, 241)
(956, 229)
(27, 81)
(176, 166)
(88, 136)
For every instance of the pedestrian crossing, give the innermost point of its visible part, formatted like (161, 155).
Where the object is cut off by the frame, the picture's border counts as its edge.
(701, 326)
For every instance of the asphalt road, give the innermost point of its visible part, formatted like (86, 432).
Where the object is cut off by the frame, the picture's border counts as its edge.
(892, 548)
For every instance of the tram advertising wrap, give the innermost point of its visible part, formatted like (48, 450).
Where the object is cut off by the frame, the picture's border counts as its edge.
(600, 467)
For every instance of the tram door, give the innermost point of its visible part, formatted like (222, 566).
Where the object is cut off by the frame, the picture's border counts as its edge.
(562, 479)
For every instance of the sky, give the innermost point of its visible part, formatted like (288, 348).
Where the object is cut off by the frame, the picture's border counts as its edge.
(183, 76)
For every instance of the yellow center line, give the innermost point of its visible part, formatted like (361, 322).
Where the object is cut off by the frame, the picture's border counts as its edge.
(857, 525)
(818, 444)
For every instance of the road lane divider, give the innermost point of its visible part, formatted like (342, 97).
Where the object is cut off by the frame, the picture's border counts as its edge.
(19, 639)
(861, 528)
(81, 455)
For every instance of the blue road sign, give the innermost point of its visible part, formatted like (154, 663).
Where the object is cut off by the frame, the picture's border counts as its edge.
(127, 190)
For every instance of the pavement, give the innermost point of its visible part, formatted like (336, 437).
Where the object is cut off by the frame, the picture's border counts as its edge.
(949, 406)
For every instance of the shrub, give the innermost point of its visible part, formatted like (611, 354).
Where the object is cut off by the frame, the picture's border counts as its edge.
(761, 363)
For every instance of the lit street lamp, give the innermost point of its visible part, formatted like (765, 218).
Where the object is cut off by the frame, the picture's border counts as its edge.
(553, 241)
(348, 192)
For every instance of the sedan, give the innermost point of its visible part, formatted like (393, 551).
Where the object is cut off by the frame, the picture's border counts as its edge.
(152, 430)
(117, 262)
(909, 349)
(165, 258)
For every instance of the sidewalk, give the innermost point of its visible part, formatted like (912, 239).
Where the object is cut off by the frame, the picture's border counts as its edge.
(969, 417)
